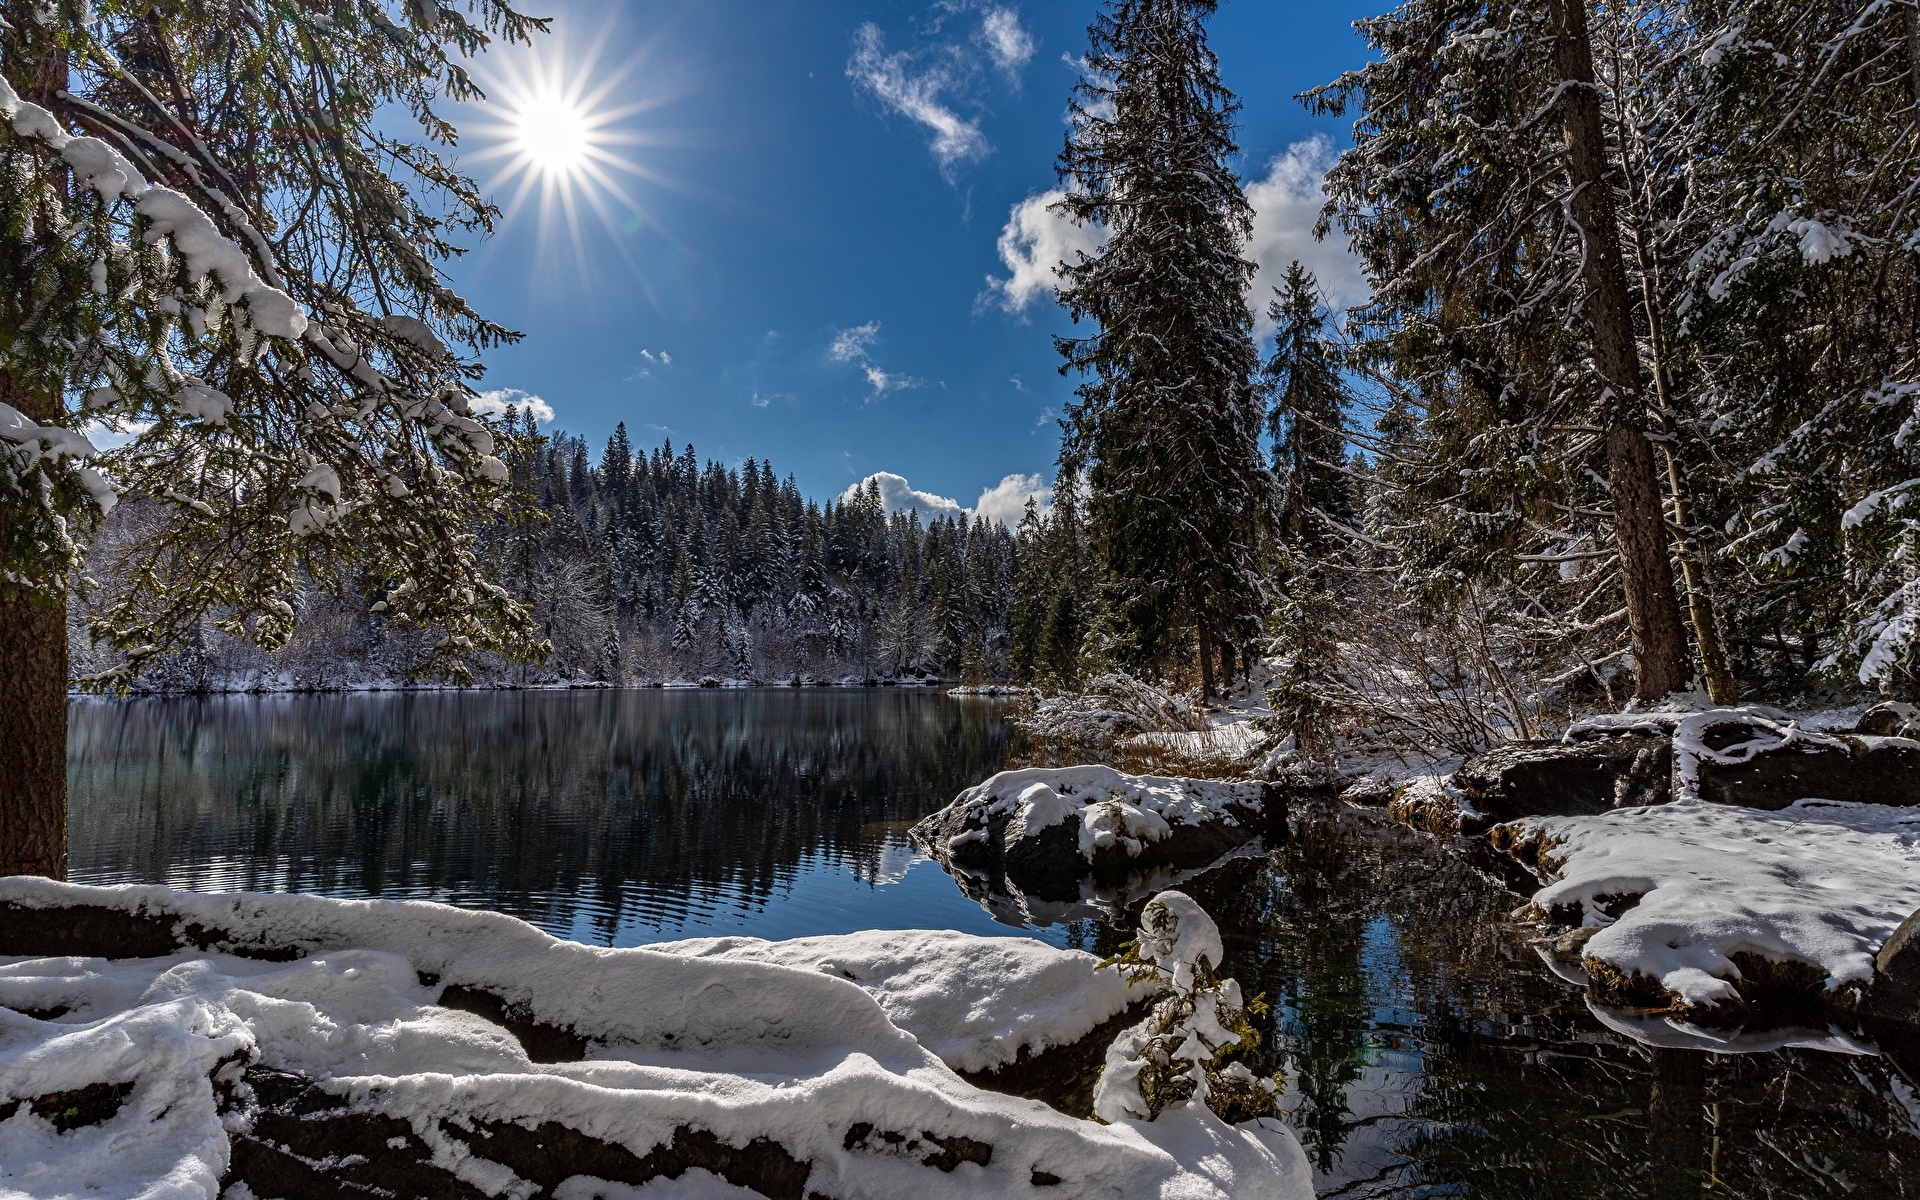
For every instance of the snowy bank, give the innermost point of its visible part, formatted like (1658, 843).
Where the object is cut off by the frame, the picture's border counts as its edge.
(1050, 830)
(160, 1043)
(1700, 907)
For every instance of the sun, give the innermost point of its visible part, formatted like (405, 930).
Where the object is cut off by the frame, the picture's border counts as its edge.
(553, 134)
(553, 139)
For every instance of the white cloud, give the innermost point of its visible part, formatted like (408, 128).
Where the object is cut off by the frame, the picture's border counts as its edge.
(853, 346)
(1005, 502)
(105, 438)
(917, 95)
(1007, 44)
(897, 495)
(1036, 240)
(1286, 204)
(495, 402)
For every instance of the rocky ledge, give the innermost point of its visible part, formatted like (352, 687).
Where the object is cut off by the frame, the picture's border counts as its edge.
(1734, 867)
(1753, 757)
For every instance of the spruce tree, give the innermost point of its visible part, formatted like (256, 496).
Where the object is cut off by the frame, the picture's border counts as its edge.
(217, 229)
(1307, 402)
(1307, 421)
(1166, 425)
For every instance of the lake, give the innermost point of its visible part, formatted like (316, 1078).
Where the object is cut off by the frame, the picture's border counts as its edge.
(1428, 1051)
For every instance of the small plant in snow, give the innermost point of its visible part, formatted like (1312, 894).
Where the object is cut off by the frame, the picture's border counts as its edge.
(1187, 1049)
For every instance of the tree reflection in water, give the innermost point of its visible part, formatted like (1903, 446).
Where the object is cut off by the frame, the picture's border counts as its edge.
(1429, 1052)
(603, 815)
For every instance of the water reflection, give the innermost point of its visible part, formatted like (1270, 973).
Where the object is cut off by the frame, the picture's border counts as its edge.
(611, 817)
(1428, 1050)
(1430, 1053)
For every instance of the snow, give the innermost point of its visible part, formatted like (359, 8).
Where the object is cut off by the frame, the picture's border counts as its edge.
(206, 251)
(195, 399)
(1179, 947)
(322, 478)
(1231, 739)
(170, 215)
(1115, 810)
(934, 985)
(102, 168)
(1777, 733)
(718, 1037)
(1821, 882)
(695, 1184)
(52, 440)
(413, 329)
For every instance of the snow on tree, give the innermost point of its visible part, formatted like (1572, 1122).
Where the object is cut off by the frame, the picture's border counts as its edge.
(217, 239)
(1187, 1050)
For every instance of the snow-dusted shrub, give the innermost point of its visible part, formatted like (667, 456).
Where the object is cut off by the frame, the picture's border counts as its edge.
(1187, 1049)
(1111, 706)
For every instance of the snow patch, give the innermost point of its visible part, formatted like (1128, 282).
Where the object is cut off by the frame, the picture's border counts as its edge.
(974, 1001)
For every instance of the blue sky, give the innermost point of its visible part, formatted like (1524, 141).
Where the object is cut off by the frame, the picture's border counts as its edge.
(798, 266)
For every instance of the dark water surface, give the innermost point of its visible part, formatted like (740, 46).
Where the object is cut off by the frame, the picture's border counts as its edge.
(1428, 1051)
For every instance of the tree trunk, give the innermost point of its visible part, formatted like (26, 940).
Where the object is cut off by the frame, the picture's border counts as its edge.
(33, 712)
(1639, 527)
(33, 737)
(1206, 665)
(33, 629)
(1714, 672)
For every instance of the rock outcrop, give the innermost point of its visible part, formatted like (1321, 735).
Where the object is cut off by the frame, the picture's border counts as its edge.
(1564, 779)
(1055, 833)
(1761, 763)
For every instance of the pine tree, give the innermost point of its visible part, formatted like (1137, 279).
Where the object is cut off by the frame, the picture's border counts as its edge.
(1167, 424)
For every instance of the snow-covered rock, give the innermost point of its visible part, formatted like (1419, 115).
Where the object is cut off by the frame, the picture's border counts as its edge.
(1702, 907)
(1050, 829)
(1756, 759)
(228, 1025)
(976, 1002)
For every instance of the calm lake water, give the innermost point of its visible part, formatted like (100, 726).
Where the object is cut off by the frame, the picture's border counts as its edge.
(1428, 1051)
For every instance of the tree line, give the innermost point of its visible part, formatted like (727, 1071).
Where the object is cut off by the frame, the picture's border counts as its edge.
(651, 566)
